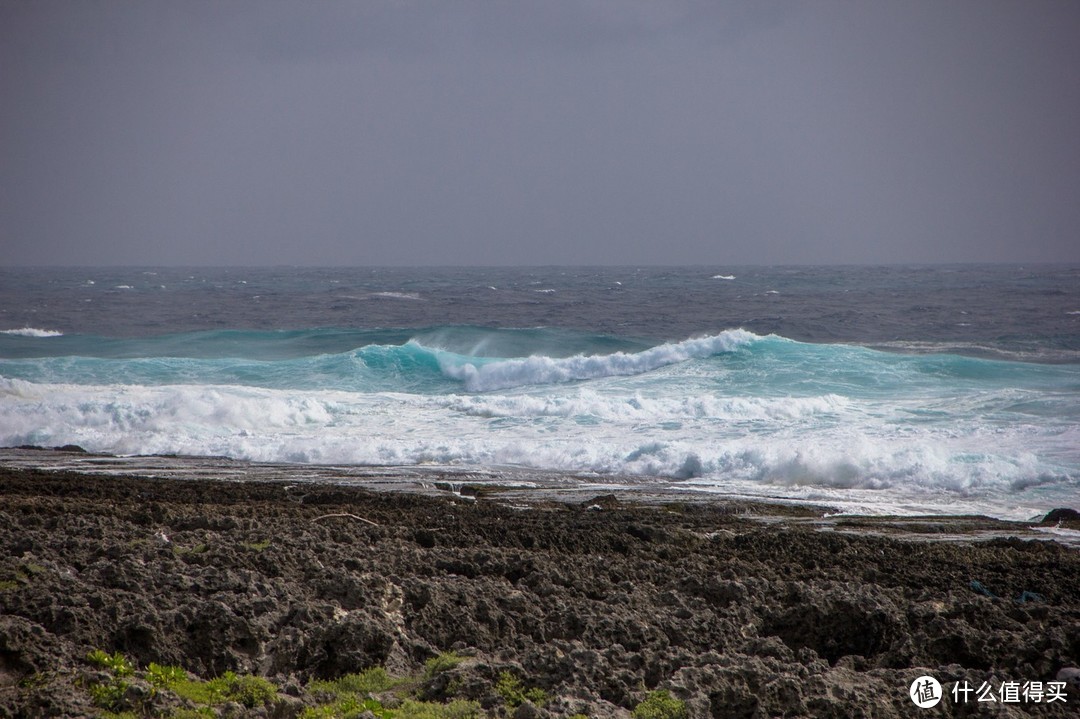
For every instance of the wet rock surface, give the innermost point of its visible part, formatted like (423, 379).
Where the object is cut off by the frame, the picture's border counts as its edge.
(597, 604)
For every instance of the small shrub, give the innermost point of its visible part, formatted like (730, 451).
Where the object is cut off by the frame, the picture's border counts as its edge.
(110, 695)
(514, 694)
(454, 686)
(116, 663)
(251, 691)
(443, 662)
(165, 677)
(660, 705)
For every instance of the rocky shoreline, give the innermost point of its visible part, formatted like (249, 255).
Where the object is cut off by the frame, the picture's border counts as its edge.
(592, 607)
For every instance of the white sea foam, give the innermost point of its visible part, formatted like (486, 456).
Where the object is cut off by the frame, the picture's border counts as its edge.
(723, 277)
(809, 448)
(538, 370)
(32, 332)
(397, 296)
(636, 408)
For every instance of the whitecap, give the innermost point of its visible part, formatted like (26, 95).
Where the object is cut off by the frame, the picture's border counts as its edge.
(413, 296)
(723, 277)
(32, 332)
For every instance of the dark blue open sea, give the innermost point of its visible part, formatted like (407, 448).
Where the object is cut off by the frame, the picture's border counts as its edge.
(878, 389)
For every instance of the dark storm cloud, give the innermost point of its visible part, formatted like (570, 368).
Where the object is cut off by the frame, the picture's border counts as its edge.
(549, 132)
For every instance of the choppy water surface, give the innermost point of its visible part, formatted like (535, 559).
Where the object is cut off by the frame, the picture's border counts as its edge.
(881, 389)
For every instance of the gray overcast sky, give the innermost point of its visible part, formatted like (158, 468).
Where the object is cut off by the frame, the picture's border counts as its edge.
(547, 132)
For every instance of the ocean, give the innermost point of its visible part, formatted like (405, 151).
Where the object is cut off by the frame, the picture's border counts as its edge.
(908, 390)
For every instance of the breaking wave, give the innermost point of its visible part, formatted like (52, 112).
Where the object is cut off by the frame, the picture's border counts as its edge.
(536, 370)
(732, 411)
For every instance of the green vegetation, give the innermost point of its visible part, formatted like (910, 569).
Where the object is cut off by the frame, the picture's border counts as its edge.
(660, 705)
(457, 709)
(351, 707)
(251, 691)
(165, 677)
(346, 697)
(369, 681)
(109, 695)
(349, 696)
(441, 663)
(201, 548)
(509, 687)
(256, 546)
(23, 575)
(346, 707)
(112, 695)
(31, 569)
(115, 663)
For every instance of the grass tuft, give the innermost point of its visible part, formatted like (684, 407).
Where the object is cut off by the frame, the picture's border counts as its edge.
(369, 681)
(457, 709)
